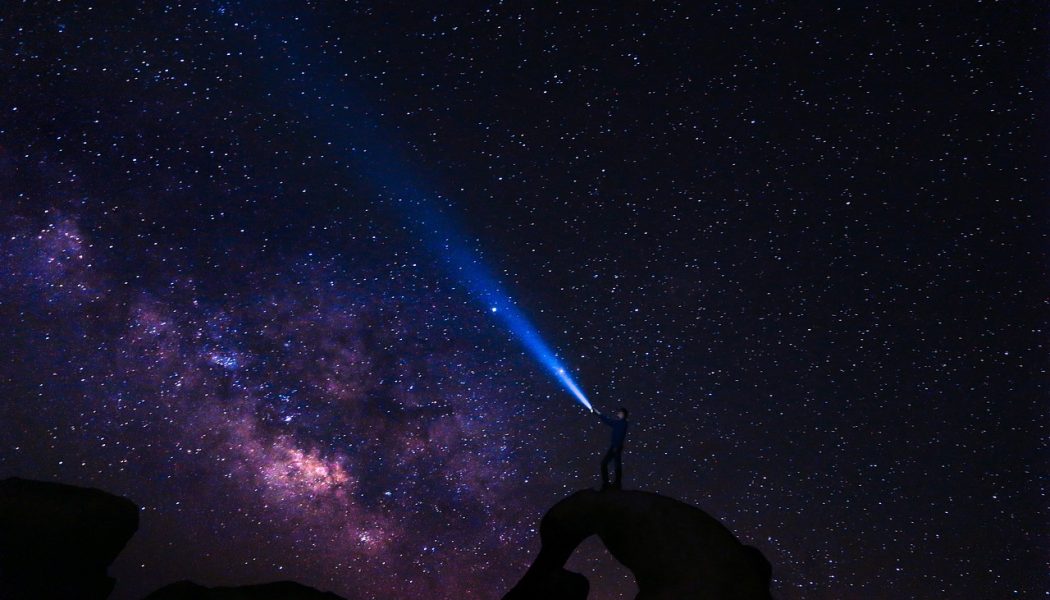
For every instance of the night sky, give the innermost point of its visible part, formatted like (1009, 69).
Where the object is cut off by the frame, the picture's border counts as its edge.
(803, 244)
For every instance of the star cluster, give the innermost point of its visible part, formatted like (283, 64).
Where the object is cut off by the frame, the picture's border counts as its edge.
(801, 244)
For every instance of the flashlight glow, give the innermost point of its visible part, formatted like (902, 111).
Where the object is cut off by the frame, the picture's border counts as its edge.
(575, 389)
(375, 154)
(464, 263)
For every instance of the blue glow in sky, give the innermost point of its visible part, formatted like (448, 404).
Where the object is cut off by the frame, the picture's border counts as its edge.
(488, 290)
(377, 154)
(466, 265)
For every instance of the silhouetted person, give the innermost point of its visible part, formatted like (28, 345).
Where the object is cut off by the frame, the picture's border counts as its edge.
(619, 425)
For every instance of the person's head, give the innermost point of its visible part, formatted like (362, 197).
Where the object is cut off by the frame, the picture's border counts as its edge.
(621, 413)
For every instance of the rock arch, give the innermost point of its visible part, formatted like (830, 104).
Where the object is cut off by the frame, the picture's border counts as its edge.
(676, 551)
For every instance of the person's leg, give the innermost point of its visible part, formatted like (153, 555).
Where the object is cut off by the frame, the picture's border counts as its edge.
(605, 468)
(618, 463)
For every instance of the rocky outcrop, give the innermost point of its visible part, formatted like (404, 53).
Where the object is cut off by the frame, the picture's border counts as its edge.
(57, 541)
(280, 590)
(676, 551)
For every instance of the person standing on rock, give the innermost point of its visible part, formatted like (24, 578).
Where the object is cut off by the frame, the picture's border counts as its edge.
(619, 424)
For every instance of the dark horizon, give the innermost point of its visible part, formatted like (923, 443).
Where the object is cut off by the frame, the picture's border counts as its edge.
(805, 246)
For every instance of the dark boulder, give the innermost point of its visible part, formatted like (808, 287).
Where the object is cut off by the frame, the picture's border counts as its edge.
(57, 541)
(676, 551)
(280, 590)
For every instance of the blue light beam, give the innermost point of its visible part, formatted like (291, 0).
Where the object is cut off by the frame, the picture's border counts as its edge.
(519, 325)
(306, 80)
(466, 265)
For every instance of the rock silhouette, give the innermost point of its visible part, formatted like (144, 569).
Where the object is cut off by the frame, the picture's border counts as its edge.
(676, 551)
(280, 590)
(57, 541)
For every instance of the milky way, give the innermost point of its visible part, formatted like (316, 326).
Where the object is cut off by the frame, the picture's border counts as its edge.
(800, 244)
(355, 426)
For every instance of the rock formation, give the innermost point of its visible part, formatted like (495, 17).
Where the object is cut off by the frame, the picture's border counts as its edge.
(281, 590)
(57, 541)
(676, 551)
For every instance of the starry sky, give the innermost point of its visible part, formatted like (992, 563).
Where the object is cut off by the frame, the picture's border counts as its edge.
(802, 243)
